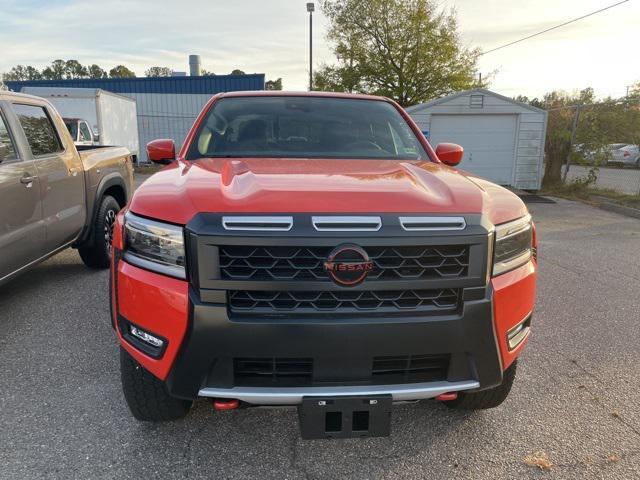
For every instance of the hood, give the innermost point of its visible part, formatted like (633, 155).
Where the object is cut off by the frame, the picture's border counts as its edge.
(266, 185)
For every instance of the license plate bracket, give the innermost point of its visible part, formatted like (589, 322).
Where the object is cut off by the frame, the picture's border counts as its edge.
(345, 416)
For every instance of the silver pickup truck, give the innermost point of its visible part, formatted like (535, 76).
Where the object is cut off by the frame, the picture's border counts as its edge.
(52, 194)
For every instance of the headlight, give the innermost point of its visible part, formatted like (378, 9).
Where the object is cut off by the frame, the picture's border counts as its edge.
(513, 245)
(154, 245)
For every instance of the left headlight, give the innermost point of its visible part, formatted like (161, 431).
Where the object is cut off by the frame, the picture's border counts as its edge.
(154, 245)
(513, 245)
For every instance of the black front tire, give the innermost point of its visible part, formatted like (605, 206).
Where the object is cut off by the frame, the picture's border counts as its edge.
(96, 253)
(147, 396)
(484, 399)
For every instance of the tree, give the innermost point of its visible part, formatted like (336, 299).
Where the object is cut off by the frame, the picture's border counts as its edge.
(561, 107)
(158, 72)
(598, 124)
(534, 102)
(95, 71)
(121, 71)
(237, 72)
(337, 79)
(273, 84)
(73, 69)
(56, 71)
(20, 72)
(207, 73)
(403, 49)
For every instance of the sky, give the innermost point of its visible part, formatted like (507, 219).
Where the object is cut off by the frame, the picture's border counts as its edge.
(271, 37)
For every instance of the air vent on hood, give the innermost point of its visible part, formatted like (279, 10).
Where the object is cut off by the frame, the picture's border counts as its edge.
(272, 224)
(432, 223)
(347, 224)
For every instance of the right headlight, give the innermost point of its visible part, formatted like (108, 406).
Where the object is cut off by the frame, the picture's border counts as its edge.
(154, 245)
(513, 243)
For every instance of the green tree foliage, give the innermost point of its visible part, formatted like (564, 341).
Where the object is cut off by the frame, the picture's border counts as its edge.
(120, 71)
(207, 73)
(403, 49)
(237, 72)
(20, 72)
(273, 84)
(95, 71)
(56, 71)
(158, 72)
(600, 123)
(74, 69)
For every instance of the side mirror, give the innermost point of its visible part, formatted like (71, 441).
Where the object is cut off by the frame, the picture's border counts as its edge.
(449, 153)
(161, 151)
(4, 152)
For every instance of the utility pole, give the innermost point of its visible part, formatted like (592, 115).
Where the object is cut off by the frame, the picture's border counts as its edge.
(574, 127)
(310, 8)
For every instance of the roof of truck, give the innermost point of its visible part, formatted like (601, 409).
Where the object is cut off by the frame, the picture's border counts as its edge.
(281, 93)
(7, 95)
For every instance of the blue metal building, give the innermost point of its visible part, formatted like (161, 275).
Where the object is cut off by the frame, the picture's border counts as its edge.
(167, 106)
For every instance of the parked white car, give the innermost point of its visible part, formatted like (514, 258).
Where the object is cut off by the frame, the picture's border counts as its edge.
(628, 155)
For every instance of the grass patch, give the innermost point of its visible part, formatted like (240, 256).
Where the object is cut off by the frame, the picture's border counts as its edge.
(586, 193)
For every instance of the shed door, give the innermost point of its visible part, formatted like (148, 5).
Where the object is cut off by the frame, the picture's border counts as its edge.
(488, 142)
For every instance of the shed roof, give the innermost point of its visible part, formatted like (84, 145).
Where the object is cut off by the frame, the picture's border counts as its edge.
(483, 91)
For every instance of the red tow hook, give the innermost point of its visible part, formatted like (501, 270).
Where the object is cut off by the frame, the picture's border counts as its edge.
(447, 397)
(225, 404)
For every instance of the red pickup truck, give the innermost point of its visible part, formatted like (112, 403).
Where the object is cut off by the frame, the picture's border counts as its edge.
(313, 250)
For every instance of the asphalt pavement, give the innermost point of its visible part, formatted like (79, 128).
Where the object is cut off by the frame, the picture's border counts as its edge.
(575, 403)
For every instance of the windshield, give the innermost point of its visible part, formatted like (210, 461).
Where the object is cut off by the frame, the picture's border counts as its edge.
(72, 126)
(312, 127)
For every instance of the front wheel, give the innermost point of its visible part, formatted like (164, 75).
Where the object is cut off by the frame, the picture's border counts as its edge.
(97, 252)
(147, 396)
(490, 398)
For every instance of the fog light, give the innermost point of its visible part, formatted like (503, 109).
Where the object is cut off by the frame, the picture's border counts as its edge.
(517, 334)
(146, 337)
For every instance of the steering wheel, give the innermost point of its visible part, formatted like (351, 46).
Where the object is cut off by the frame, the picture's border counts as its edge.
(365, 144)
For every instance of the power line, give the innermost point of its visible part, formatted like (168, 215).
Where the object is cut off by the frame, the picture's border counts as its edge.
(553, 28)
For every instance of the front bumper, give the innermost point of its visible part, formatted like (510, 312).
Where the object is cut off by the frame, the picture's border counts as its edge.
(204, 341)
(342, 350)
(293, 396)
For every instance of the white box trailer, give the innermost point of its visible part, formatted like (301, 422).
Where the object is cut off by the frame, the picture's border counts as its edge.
(112, 117)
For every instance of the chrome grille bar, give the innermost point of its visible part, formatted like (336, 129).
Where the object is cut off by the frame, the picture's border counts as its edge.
(412, 224)
(258, 223)
(347, 224)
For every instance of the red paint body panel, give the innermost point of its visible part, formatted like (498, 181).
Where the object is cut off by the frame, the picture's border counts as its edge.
(269, 185)
(158, 304)
(513, 300)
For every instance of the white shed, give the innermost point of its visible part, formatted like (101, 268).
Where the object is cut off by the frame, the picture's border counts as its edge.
(503, 140)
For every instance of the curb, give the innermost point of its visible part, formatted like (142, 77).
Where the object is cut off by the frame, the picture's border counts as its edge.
(622, 210)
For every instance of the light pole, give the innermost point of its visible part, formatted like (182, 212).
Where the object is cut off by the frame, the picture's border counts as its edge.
(310, 8)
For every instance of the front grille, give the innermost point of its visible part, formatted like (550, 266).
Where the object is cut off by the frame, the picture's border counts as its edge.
(258, 372)
(410, 369)
(298, 372)
(305, 302)
(241, 262)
